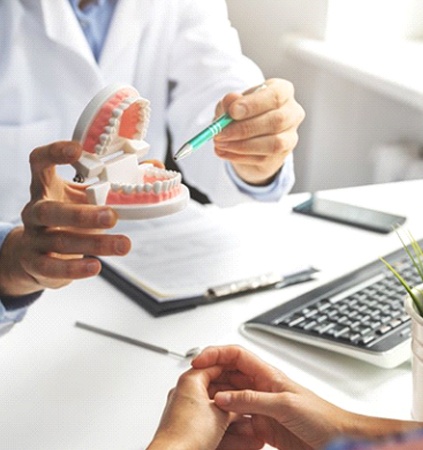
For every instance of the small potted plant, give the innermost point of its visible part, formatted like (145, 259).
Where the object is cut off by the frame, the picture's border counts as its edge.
(414, 307)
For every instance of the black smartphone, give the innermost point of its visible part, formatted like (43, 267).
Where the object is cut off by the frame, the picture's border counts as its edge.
(356, 216)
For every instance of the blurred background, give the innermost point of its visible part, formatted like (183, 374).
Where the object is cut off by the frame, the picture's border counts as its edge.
(357, 66)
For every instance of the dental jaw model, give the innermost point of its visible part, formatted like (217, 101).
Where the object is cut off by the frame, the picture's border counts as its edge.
(111, 130)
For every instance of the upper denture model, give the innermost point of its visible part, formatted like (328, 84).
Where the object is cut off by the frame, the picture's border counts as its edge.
(111, 130)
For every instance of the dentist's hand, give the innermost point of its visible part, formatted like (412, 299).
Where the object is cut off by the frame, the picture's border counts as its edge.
(61, 232)
(264, 132)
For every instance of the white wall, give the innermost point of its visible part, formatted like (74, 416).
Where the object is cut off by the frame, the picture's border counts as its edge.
(345, 125)
(344, 120)
(262, 23)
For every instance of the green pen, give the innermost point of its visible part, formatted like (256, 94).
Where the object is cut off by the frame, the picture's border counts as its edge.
(204, 136)
(207, 134)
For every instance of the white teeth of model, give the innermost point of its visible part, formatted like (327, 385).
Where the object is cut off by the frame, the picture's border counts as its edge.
(127, 189)
(139, 188)
(144, 131)
(103, 138)
(117, 112)
(115, 187)
(166, 186)
(157, 187)
(113, 122)
(148, 187)
(108, 129)
(98, 149)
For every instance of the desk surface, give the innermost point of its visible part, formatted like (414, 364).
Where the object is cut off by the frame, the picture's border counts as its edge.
(62, 387)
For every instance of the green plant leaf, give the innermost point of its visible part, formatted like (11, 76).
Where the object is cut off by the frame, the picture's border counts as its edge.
(418, 255)
(415, 253)
(418, 300)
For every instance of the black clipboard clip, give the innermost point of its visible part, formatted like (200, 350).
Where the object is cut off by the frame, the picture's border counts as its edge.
(271, 280)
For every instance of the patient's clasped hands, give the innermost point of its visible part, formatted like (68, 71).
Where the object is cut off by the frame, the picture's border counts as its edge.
(262, 405)
(231, 399)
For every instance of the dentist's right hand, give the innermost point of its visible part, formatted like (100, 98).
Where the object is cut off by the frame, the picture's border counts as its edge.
(61, 232)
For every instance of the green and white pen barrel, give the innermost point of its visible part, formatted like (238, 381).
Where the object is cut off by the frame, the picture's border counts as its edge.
(210, 132)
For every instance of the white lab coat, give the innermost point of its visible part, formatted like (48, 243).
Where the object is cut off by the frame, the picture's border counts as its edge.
(182, 55)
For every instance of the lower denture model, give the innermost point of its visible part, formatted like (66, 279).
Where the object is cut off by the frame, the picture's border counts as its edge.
(111, 130)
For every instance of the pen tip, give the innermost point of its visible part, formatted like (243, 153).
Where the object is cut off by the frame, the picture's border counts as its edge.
(183, 152)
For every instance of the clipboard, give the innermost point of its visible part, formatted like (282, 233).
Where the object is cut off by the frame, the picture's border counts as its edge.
(143, 298)
(212, 295)
(204, 254)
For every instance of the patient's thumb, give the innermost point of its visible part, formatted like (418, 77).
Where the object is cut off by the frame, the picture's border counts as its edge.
(246, 402)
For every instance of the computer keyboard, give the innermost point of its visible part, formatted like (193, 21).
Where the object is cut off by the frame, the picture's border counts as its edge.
(360, 314)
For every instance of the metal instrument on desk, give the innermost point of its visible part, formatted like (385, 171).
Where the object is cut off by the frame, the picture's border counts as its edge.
(191, 353)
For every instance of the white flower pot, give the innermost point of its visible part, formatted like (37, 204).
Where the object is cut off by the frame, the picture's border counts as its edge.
(417, 355)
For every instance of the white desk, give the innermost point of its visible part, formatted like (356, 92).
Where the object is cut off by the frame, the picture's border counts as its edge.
(62, 387)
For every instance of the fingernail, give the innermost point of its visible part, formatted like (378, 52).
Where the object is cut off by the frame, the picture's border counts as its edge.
(239, 111)
(106, 218)
(92, 268)
(223, 398)
(69, 151)
(121, 247)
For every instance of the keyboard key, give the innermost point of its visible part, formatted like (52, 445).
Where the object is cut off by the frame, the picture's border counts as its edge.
(324, 328)
(309, 325)
(307, 312)
(296, 321)
(394, 323)
(367, 339)
(323, 305)
(337, 331)
(384, 329)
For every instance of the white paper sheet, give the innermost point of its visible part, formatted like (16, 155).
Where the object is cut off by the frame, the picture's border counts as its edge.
(185, 254)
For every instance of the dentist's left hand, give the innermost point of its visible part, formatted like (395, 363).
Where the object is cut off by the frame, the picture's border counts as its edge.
(61, 232)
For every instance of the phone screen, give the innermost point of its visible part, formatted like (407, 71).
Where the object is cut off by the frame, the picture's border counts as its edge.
(368, 219)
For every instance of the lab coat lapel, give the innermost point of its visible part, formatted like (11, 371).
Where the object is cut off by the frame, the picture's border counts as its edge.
(62, 26)
(120, 52)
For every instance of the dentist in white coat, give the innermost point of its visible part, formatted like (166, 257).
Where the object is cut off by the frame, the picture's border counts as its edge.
(184, 57)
